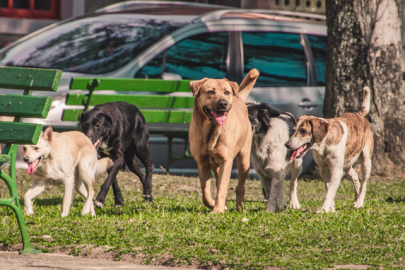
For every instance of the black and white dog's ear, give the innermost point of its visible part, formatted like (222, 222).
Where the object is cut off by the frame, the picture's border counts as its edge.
(266, 113)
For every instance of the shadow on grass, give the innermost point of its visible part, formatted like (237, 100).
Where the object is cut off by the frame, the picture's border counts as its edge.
(395, 200)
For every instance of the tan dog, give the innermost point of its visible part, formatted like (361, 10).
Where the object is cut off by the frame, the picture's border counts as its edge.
(337, 144)
(67, 158)
(219, 131)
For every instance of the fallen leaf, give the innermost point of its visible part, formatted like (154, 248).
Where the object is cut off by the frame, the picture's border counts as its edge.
(130, 221)
(328, 250)
(213, 251)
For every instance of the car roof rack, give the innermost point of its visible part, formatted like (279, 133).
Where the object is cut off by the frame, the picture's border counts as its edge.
(219, 14)
(126, 5)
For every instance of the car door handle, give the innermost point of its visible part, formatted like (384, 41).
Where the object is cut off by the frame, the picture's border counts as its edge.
(308, 103)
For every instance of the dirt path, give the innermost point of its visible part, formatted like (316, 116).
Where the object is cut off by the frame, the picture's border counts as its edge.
(13, 261)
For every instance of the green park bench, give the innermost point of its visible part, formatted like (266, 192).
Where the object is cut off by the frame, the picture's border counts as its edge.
(17, 132)
(156, 106)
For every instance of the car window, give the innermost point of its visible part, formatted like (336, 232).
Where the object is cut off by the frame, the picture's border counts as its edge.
(279, 57)
(318, 47)
(93, 45)
(193, 58)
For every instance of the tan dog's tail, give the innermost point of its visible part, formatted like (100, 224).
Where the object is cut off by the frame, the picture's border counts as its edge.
(247, 84)
(365, 106)
(103, 164)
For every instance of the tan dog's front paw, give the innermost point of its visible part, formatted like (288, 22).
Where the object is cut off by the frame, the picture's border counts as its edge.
(218, 210)
(357, 204)
(240, 206)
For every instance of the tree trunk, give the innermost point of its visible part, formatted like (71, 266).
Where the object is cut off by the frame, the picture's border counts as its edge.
(364, 48)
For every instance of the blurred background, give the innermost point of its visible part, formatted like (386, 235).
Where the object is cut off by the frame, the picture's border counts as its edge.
(21, 17)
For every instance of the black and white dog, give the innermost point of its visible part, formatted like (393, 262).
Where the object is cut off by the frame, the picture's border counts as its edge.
(118, 130)
(269, 156)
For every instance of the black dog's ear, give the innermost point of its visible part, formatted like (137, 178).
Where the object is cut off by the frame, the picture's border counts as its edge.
(107, 118)
(79, 118)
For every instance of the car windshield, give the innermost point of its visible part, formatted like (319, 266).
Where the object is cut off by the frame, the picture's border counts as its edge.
(93, 45)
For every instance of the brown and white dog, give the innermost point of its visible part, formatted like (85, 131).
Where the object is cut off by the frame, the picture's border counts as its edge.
(337, 144)
(220, 131)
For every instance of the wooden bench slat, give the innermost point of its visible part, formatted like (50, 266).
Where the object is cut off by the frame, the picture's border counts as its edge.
(155, 85)
(25, 106)
(29, 78)
(141, 101)
(19, 133)
(151, 116)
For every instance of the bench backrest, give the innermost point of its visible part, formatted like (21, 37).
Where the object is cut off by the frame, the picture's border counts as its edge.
(20, 106)
(155, 107)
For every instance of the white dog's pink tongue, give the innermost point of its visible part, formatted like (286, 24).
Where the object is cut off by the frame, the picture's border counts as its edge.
(220, 117)
(297, 152)
(32, 166)
(96, 143)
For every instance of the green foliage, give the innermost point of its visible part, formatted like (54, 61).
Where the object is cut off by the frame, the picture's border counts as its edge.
(179, 225)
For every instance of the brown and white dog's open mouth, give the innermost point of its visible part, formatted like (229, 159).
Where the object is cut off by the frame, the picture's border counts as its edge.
(218, 117)
(33, 166)
(300, 151)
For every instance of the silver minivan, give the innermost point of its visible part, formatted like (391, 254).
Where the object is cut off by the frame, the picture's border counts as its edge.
(185, 41)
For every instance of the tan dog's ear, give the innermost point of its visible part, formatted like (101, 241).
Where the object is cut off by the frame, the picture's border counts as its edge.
(48, 134)
(319, 129)
(196, 85)
(234, 85)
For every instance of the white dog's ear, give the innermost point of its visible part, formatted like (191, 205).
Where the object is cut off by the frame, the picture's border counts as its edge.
(196, 85)
(48, 134)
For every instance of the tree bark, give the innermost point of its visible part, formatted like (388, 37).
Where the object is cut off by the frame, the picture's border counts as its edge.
(364, 48)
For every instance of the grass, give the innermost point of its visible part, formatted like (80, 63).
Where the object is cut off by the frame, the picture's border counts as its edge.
(178, 230)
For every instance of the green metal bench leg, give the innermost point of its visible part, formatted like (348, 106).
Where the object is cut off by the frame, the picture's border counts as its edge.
(13, 201)
(27, 247)
(170, 157)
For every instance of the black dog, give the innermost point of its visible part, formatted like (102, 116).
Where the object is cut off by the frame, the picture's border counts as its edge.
(119, 130)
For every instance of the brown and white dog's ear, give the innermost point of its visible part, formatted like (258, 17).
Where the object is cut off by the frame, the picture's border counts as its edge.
(235, 87)
(319, 129)
(48, 133)
(196, 85)
(301, 118)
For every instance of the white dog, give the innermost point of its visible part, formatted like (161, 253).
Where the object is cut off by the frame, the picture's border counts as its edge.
(67, 158)
(270, 158)
(337, 144)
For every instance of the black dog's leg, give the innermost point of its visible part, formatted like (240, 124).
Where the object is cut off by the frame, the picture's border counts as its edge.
(112, 174)
(133, 165)
(143, 154)
(119, 201)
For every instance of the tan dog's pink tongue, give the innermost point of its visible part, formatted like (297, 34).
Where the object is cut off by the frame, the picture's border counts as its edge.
(220, 117)
(297, 152)
(32, 166)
